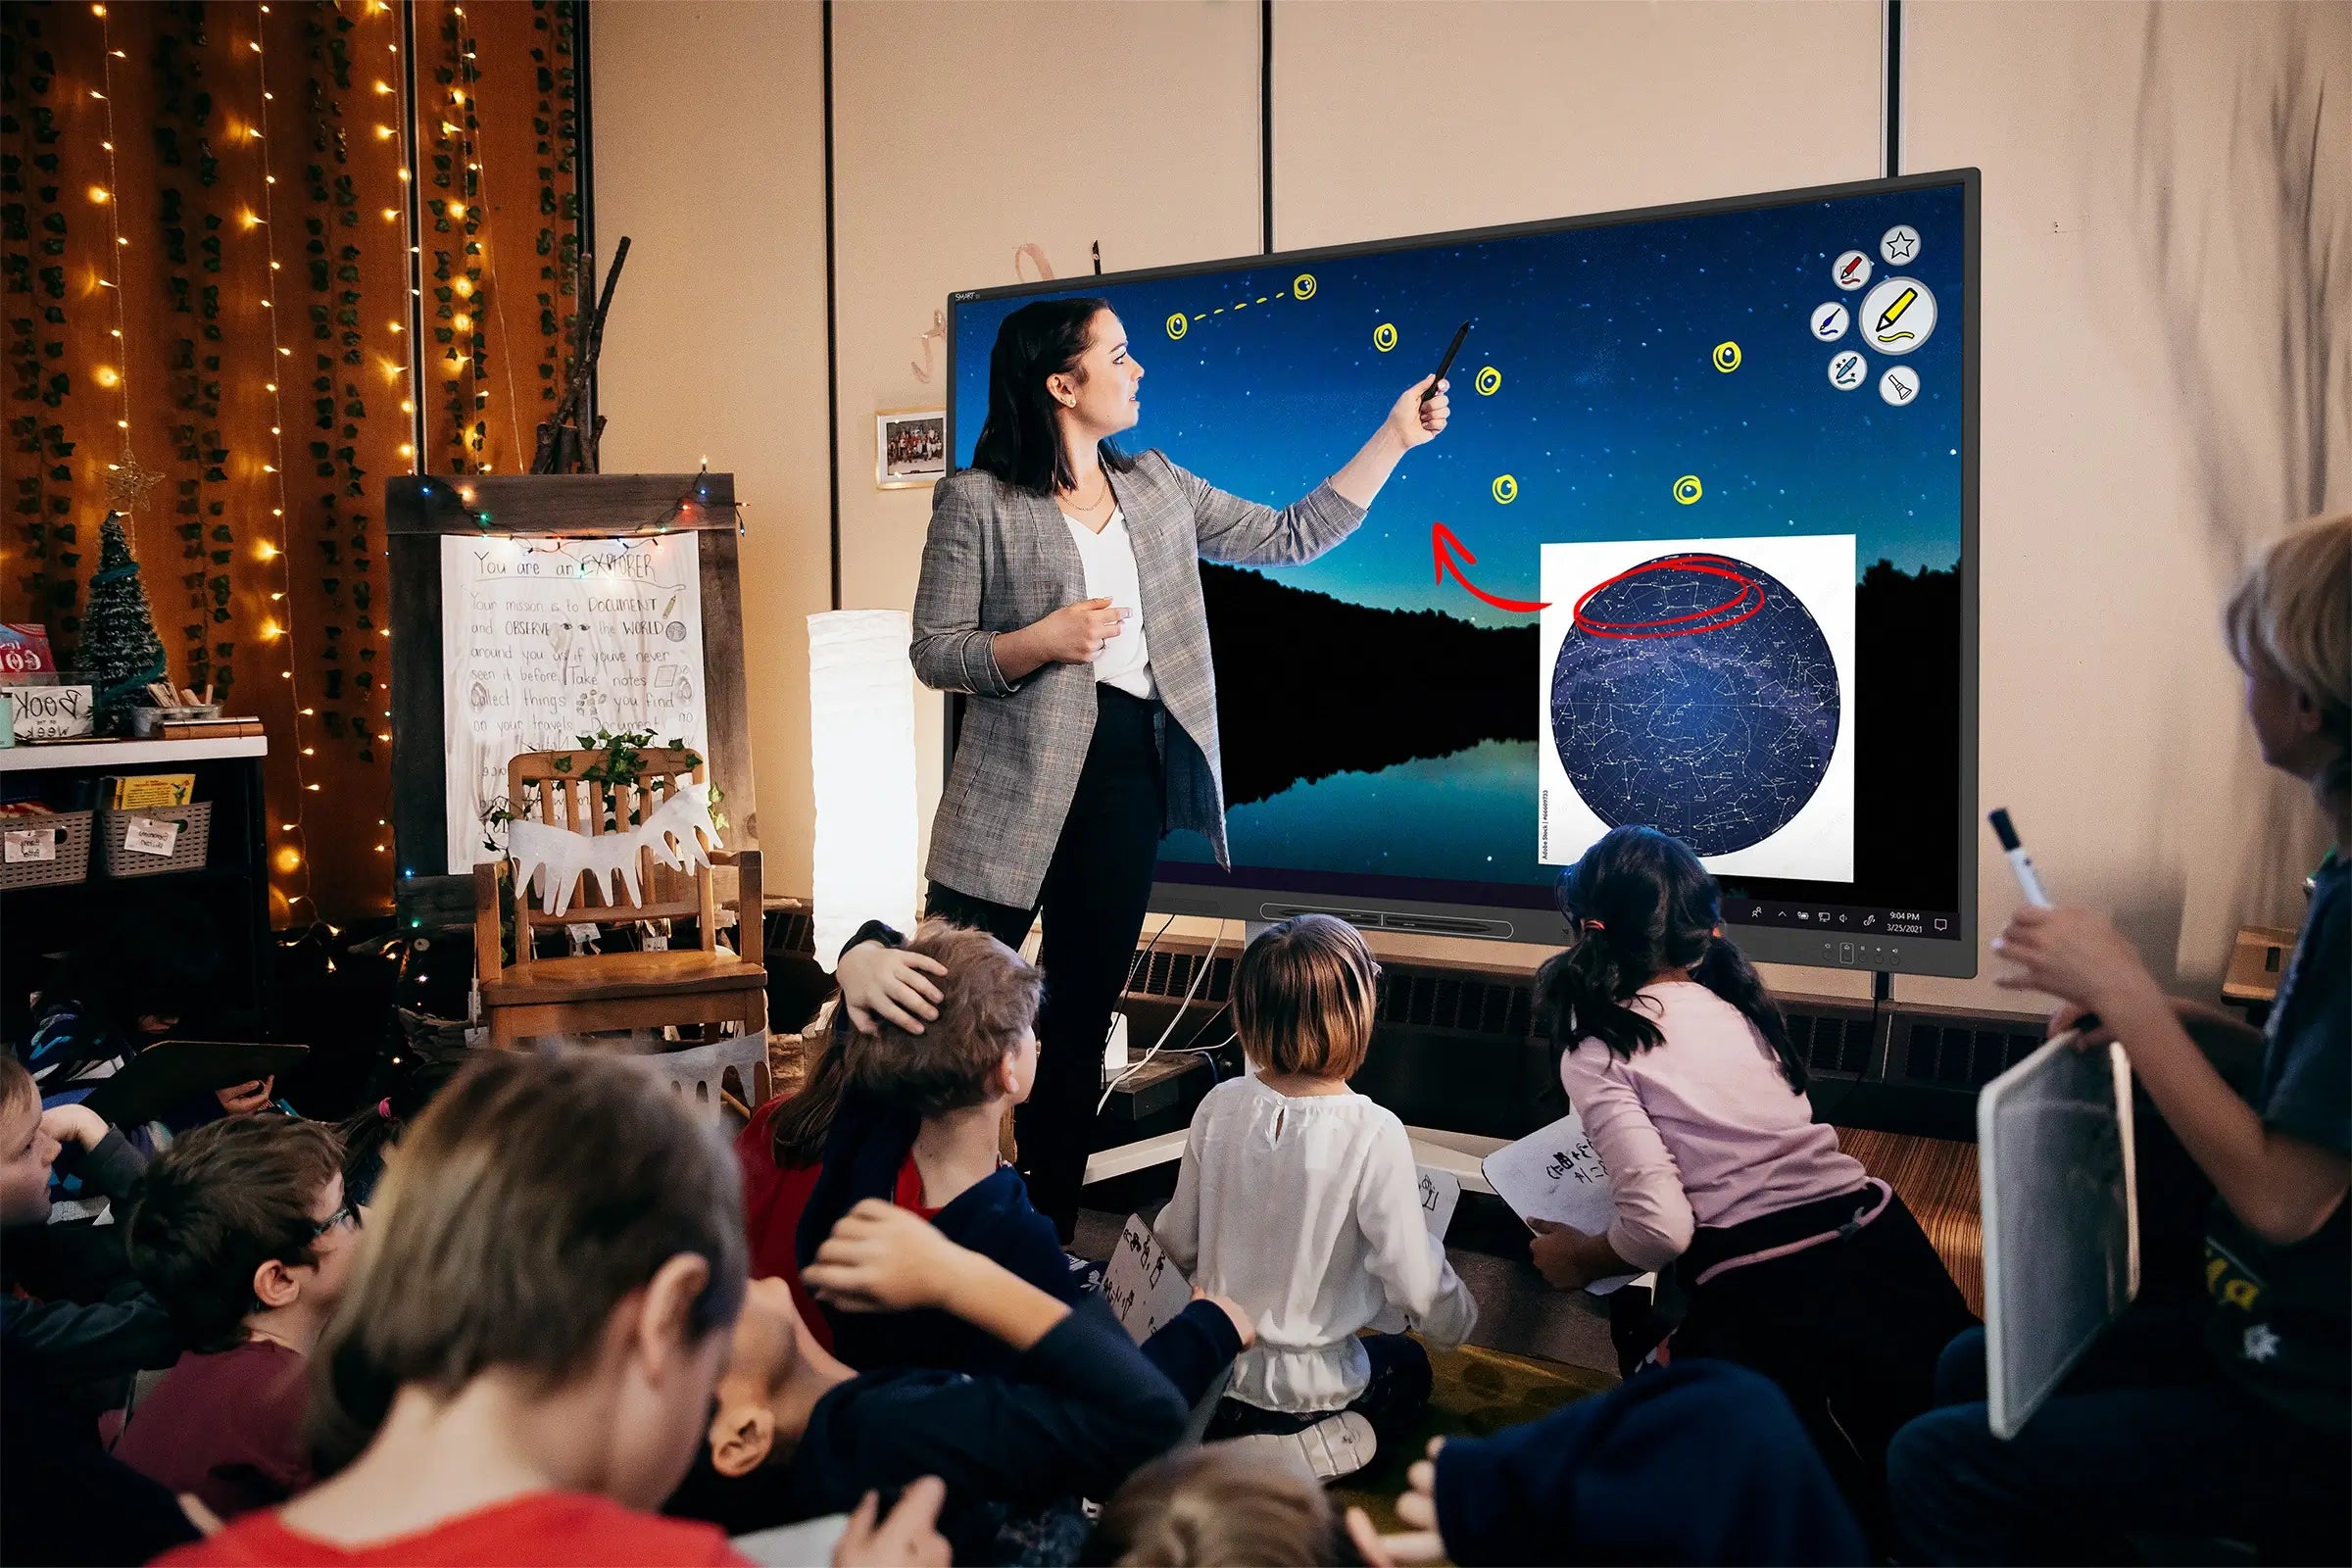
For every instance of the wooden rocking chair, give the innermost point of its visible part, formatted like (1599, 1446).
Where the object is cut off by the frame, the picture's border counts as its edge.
(597, 992)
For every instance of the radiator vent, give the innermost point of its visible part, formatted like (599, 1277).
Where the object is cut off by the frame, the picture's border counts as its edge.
(1956, 1055)
(1427, 999)
(1170, 975)
(1827, 1042)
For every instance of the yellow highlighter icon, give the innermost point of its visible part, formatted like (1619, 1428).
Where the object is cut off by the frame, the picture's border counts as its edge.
(1893, 314)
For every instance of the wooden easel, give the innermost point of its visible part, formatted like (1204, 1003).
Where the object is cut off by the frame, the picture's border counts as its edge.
(419, 510)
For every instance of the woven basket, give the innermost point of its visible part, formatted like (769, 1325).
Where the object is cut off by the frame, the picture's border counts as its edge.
(118, 858)
(71, 839)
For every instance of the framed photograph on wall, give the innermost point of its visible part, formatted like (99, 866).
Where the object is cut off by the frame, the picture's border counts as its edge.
(910, 448)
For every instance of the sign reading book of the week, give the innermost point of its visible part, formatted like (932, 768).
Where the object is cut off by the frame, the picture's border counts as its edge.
(546, 640)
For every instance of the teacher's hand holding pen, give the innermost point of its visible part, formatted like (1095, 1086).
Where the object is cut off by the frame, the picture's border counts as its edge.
(1413, 421)
(1071, 635)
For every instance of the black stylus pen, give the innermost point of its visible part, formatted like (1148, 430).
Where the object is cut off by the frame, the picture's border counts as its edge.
(1447, 363)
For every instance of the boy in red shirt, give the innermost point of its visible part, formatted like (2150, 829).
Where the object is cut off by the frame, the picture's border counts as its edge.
(241, 1231)
(531, 1339)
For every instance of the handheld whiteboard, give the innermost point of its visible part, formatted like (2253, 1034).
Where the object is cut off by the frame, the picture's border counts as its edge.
(2061, 1217)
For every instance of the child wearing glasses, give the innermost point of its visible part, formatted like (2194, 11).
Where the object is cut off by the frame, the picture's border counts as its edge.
(1299, 1200)
(241, 1231)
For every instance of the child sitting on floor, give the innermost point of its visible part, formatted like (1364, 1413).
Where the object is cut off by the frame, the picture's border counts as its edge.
(65, 1343)
(796, 1434)
(63, 1498)
(1218, 1506)
(912, 1117)
(1793, 1260)
(1300, 1199)
(527, 1350)
(2233, 1418)
(241, 1231)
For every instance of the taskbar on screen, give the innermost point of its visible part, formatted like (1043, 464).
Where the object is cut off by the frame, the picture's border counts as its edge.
(1845, 919)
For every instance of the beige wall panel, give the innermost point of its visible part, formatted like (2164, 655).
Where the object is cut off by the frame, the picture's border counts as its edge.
(965, 131)
(1413, 118)
(2136, 440)
(710, 155)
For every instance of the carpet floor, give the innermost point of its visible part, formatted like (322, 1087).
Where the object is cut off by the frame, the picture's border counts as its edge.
(1473, 1392)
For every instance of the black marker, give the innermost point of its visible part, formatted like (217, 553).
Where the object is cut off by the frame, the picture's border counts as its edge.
(2021, 866)
(1447, 363)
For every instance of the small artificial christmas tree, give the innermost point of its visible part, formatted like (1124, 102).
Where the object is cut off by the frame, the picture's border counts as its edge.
(120, 653)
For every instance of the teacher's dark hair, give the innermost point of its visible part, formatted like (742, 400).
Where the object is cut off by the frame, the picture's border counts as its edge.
(1020, 442)
(1643, 905)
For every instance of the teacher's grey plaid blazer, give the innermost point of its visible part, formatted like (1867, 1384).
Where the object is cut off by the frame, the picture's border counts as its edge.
(999, 558)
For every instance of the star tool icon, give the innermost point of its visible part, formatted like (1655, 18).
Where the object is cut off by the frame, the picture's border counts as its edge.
(1899, 243)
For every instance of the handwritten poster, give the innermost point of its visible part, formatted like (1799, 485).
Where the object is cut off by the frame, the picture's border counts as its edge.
(546, 640)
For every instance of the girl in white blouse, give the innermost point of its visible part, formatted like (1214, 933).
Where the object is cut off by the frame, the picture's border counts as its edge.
(1299, 1198)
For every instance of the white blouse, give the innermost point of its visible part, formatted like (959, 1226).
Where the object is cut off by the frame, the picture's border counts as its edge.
(1110, 557)
(1307, 1213)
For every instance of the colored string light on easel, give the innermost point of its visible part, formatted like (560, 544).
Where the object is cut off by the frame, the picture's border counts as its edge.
(280, 628)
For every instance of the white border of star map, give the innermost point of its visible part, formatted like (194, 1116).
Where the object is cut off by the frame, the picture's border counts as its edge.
(1818, 843)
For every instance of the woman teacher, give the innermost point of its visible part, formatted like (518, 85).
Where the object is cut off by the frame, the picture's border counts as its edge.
(1061, 592)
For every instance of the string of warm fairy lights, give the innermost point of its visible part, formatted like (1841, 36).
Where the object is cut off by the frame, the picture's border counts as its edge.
(467, 48)
(466, 215)
(127, 481)
(111, 375)
(401, 89)
(279, 629)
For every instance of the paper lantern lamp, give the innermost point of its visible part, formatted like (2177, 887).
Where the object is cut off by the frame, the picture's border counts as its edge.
(862, 742)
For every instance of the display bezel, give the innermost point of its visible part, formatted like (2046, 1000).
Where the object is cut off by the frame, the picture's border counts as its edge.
(1235, 897)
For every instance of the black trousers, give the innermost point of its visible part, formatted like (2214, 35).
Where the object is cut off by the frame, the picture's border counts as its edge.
(1852, 1330)
(1092, 904)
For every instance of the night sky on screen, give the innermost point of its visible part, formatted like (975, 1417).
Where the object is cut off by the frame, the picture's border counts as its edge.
(1606, 344)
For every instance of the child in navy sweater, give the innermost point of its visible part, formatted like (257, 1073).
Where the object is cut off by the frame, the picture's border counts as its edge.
(796, 1434)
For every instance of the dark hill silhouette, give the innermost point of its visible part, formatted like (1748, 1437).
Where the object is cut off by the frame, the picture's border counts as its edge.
(1308, 685)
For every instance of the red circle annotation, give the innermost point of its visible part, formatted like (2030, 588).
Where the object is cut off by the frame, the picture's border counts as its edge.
(1747, 601)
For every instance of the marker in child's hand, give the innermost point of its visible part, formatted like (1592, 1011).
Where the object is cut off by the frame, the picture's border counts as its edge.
(2020, 862)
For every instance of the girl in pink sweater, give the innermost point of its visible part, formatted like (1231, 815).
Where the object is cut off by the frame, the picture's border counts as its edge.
(1791, 1260)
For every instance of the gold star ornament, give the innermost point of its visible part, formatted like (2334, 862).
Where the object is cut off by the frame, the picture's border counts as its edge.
(127, 481)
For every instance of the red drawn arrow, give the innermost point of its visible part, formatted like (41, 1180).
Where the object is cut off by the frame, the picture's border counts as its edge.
(1441, 538)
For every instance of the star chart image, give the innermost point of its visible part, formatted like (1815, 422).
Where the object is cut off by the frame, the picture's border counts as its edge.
(1782, 375)
(1696, 690)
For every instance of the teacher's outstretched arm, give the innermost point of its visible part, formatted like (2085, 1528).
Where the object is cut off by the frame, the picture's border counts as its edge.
(1245, 533)
(1410, 423)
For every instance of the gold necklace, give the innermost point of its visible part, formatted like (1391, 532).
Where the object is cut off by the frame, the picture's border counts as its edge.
(1089, 506)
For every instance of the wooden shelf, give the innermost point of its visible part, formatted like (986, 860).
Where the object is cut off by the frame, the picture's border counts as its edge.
(33, 757)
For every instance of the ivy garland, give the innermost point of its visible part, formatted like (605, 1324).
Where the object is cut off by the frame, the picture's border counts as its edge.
(34, 278)
(331, 258)
(453, 171)
(559, 251)
(183, 143)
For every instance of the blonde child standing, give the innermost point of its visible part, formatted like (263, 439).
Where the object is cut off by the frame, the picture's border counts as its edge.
(1299, 1198)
